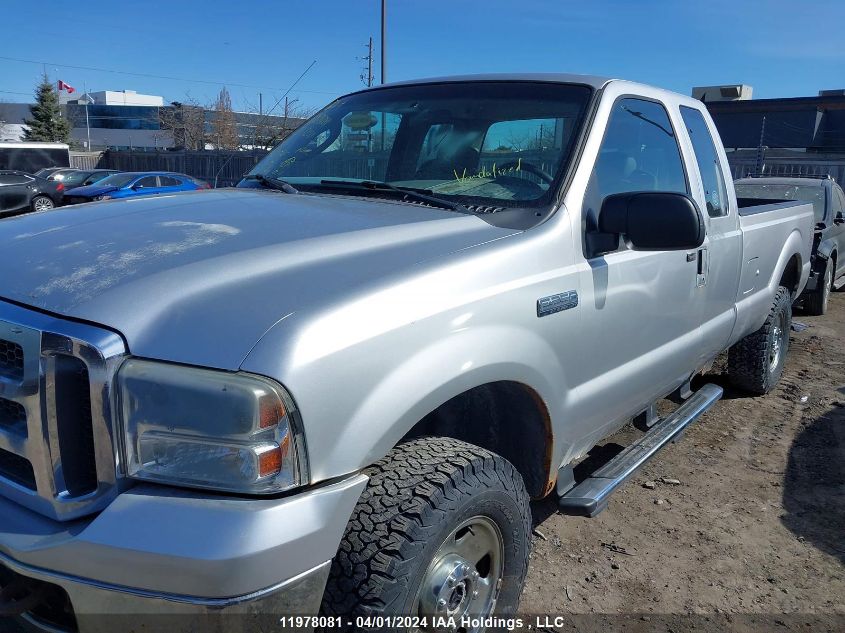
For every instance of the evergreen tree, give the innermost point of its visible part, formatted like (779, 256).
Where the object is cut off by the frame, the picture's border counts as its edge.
(47, 123)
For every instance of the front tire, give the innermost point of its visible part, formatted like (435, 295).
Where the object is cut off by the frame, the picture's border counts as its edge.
(816, 301)
(442, 529)
(42, 203)
(755, 363)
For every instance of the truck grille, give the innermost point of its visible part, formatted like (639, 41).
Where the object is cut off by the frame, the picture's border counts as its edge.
(11, 360)
(57, 448)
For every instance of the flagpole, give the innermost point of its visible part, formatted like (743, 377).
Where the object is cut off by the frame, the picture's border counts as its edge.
(87, 126)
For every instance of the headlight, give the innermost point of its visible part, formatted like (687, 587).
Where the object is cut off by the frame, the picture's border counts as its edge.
(208, 429)
(103, 197)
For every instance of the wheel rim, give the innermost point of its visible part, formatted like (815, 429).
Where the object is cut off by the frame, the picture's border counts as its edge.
(42, 204)
(465, 575)
(828, 282)
(778, 343)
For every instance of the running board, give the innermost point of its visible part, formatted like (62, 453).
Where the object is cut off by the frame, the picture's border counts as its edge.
(591, 496)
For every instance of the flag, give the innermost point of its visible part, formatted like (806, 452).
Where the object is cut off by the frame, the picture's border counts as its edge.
(63, 86)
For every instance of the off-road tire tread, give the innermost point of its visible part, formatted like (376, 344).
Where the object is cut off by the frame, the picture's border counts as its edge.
(409, 493)
(814, 301)
(748, 359)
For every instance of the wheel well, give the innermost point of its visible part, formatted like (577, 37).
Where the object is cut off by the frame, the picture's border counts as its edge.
(791, 276)
(507, 418)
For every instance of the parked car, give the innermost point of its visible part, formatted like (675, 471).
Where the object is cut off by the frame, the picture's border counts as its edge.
(828, 199)
(133, 184)
(83, 177)
(21, 192)
(59, 174)
(336, 387)
(46, 172)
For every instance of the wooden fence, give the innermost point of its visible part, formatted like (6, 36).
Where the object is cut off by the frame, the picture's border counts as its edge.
(226, 168)
(217, 168)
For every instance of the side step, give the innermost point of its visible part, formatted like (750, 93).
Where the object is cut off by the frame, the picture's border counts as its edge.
(591, 496)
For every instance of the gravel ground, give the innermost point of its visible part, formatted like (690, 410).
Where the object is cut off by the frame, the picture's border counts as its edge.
(740, 525)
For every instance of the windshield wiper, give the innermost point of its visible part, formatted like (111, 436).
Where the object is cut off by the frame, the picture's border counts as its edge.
(420, 195)
(273, 183)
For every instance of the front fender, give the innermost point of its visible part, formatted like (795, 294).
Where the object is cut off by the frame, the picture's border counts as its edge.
(438, 373)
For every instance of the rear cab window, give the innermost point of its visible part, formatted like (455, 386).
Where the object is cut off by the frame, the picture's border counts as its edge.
(707, 159)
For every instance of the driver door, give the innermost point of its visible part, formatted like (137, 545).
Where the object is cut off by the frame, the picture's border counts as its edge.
(640, 335)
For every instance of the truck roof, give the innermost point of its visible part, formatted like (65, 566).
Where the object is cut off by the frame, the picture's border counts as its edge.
(564, 78)
(594, 81)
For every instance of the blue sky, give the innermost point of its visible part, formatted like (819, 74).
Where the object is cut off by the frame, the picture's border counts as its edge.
(781, 47)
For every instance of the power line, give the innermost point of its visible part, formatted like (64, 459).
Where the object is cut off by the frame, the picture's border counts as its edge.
(152, 76)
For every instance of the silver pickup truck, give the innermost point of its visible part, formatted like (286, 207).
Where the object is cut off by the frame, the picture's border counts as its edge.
(334, 389)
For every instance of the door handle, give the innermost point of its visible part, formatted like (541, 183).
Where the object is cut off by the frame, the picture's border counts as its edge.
(702, 267)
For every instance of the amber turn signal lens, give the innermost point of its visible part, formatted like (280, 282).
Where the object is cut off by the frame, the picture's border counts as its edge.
(271, 411)
(270, 462)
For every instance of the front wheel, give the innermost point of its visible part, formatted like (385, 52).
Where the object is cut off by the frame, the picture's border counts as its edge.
(443, 529)
(816, 301)
(756, 362)
(42, 203)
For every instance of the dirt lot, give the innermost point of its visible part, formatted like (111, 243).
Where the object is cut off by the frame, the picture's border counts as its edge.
(753, 536)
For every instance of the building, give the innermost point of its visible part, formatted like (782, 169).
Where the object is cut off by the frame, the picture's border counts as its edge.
(735, 92)
(809, 124)
(125, 119)
(798, 135)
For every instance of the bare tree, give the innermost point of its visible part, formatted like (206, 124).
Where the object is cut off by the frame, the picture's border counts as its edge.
(275, 126)
(224, 130)
(185, 120)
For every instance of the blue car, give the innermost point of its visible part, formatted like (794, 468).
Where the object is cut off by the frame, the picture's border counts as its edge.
(130, 185)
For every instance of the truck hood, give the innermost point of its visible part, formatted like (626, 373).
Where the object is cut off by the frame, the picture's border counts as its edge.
(200, 277)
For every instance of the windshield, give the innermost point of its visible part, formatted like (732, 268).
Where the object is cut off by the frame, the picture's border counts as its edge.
(75, 178)
(488, 143)
(781, 191)
(116, 180)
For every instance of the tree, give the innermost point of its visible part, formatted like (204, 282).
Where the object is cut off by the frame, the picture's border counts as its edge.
(224, 130)
(47, 123)
(185, 120)
(272, 128)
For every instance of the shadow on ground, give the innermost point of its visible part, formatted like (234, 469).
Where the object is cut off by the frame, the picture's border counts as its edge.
(814, 484)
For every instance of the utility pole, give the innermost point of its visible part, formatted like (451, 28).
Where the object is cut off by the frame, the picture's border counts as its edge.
(761, 149)
(383, 40)
(367, 73)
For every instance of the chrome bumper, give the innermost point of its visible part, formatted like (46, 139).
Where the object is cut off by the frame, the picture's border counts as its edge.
(104, 610)
(167, 560)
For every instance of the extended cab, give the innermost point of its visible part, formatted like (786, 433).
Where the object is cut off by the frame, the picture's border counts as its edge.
(335, 388)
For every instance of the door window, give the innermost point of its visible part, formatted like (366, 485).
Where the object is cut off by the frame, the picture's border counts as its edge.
(639, 152)
(148, 182)
(839, 201)
(712, 178)
(167, 181)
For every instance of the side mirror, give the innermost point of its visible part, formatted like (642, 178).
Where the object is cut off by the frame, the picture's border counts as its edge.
(653, 221)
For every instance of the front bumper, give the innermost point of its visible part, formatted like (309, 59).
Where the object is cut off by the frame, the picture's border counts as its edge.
(164, 560)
